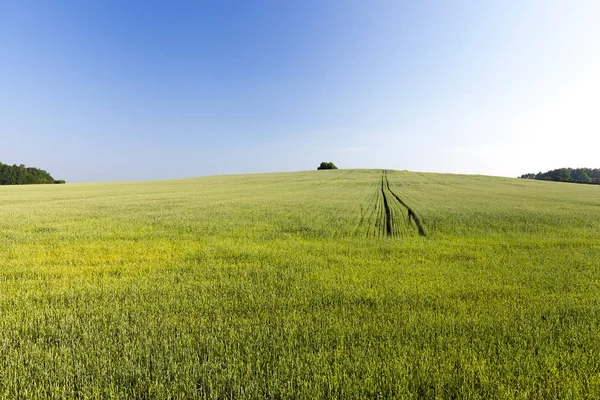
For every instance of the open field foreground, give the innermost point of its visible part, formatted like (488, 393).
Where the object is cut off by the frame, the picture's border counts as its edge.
(326, 284)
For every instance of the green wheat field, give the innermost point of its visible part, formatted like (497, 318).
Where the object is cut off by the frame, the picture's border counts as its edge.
(343, 284)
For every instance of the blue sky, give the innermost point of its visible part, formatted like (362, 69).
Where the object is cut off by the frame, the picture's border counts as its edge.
(134, 90)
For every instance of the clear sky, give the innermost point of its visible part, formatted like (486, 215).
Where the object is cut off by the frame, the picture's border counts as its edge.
(105, 90)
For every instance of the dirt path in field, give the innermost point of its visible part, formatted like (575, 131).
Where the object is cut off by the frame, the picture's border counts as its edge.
(412, 216)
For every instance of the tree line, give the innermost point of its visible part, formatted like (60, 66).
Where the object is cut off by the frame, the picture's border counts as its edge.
(22, 175)
(577, 175)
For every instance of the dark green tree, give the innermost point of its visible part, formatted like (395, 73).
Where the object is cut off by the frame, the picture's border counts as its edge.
(584, 178)
(327, 165)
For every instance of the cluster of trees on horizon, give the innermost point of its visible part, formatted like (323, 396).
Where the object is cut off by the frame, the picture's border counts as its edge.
(576, 175)
(22, 175)
(327, 165)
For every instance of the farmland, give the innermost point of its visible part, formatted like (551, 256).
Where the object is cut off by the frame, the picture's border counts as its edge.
(322, 284)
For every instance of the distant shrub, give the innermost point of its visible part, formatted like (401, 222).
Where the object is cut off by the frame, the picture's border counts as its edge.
(327, 165)
(59, 181)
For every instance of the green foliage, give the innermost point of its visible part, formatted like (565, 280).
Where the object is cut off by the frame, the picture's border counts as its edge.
(21, 175)
(252, 286)
(327, 165)
(578, 175)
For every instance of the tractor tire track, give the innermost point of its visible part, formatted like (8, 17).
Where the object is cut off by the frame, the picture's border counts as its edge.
(386, 206)
(412, 216)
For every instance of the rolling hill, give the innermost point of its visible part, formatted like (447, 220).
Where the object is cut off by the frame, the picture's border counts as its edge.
(321, 284)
